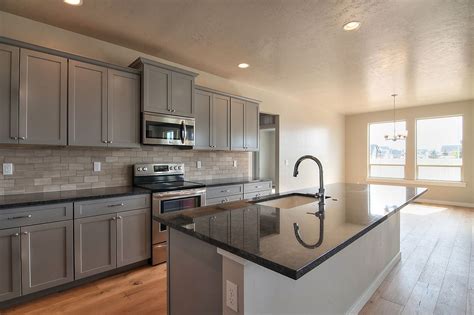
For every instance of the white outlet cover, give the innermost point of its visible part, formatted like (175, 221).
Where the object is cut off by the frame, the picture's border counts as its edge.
(235, 163)
(286, 162)
(7, 168)
(198, 164)
(232, 298)
(97, 166)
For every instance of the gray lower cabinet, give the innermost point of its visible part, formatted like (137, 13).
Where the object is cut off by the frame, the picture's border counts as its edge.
(9, 93)
(10, 262)
(215, 226)
(133, 236)
(212, 121)
(95, 245)
(46, 255)
(244, 125)
(43, 98)
(105, 242)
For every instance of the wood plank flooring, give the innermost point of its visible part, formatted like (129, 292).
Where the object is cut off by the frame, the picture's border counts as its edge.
(434, 276)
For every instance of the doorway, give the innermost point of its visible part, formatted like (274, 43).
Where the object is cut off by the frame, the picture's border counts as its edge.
(266, 160)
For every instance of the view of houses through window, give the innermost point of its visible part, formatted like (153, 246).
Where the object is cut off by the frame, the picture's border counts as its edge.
(386, 158)
(438, 150)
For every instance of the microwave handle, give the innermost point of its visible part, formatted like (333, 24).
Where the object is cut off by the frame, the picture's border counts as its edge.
(183, 132)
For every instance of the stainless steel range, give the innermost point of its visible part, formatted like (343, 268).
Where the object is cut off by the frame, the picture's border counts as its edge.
(170, 193)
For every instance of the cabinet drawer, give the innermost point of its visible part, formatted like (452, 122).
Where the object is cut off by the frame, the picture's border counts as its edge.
(257, 186)
(257, 194)
(215, 201)
(35, 215)
(224, 191)
(110, 205)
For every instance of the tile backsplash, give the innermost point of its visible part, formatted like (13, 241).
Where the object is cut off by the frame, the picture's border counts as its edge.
(42, 169)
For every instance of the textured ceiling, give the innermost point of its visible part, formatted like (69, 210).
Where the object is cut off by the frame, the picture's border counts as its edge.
(421, 49)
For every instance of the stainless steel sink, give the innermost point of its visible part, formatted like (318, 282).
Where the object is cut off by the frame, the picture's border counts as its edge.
(288, 202)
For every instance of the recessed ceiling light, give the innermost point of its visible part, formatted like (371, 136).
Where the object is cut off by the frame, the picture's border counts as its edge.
(73, 2)
(351, 26)
(243, 65)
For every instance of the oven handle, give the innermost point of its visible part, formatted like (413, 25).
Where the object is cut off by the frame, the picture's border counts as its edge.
(179, 194)
(183, 132)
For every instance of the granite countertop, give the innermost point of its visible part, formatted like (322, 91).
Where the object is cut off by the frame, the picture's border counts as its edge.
(262, 231)
(24, 200)
(231, 181)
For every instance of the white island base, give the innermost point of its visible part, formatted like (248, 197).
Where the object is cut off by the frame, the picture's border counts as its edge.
(198, 273)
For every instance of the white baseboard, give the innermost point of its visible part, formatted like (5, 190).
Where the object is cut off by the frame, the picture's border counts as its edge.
(364, 298)
(446, 203)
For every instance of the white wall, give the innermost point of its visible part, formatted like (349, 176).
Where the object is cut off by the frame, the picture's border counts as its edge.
(357, 138)
(306, 128)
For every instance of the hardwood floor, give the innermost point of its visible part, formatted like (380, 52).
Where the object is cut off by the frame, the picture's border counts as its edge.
(435, 275)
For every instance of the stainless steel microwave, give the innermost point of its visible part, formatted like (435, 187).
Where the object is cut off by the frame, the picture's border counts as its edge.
(167, 130)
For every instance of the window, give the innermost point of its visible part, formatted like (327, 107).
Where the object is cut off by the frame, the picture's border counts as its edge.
(386, 158)
(439, 148)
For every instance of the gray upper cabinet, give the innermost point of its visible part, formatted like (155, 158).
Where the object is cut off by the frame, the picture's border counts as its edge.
(10, 272)
(9, 93)
(182, 94)
(251, 126)
(203, 110)
(103, 106)
(237, 124)
(87, 104)
(244, 125)
(47, 255)
(95, 245)
(133, 236)
(123, 109)
(221, 122)
(166, 89)
(43, 98)
(156, 89)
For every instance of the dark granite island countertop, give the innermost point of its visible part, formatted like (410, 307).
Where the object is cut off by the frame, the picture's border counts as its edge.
(36, 199)
(262, 230)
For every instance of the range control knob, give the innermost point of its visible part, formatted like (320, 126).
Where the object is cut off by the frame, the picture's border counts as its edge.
(144, 169)
(180, 168)
(175, 167)
(139, 169)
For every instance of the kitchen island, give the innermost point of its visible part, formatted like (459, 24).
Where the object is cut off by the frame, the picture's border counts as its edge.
(285, 253)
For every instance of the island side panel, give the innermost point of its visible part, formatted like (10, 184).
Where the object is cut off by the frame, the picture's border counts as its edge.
(194, 276)
(342, 284)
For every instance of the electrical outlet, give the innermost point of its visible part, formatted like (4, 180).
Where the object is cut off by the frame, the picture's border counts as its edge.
(287, 163)
(7, 168)
(235, 163)
(198, 164)
(97, 166)
(231, 299)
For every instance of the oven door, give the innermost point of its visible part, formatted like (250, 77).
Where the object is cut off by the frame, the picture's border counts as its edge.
(169, 130)
(171, 202)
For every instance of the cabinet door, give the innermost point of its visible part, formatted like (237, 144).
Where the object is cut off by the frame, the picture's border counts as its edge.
(214, 226)
(203, 103)
(123, 109)
(9, 75)
(43, 98)
(87, 104)
(46, 255)
(251, 126)
(95, 245)
(237, 124)
(10, 262)
(156, 90)
(182, 94)
(133, 236)
(220, 122)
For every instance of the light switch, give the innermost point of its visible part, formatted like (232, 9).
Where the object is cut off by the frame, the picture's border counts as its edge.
(7, 168)
(198, 164)
(97, 166)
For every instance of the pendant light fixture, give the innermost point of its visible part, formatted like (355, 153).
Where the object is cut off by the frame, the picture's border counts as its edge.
(396, 136)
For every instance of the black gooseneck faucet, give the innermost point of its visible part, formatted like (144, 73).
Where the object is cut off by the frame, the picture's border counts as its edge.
(320, 193)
